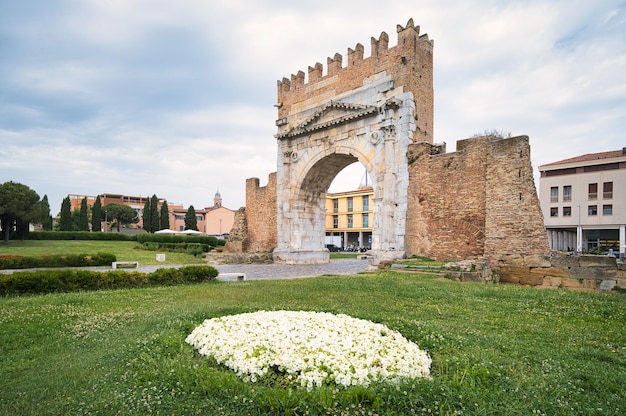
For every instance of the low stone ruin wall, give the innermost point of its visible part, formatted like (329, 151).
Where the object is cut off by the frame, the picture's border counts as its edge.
(586, 272)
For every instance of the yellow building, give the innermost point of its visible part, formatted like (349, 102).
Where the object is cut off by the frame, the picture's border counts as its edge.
(349, 219)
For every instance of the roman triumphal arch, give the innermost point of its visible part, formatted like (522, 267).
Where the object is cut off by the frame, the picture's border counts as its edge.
(369, 111)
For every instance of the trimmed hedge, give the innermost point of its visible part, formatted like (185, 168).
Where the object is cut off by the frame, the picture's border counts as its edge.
(170, 238)
(179, 247)
(57, 260)
(49, 281)
(79, 235)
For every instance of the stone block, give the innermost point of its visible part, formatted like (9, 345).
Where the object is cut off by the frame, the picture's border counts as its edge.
(550, 271)
(607, 285)
(552, 281)
(592, 273)
(564, 261)
(579, 284)
(597, 261)
(471, 277)
(537, 260)
(511, 274)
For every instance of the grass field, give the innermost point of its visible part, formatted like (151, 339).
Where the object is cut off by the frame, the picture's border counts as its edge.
(124, 250)
(497, 349)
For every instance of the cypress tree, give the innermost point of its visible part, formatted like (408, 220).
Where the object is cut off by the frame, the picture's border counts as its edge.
(65, 220)
(146, 216)
(96, 215)
(191, 222)
(154, 213)
(46, 218)
(83, 222)
(165, 216)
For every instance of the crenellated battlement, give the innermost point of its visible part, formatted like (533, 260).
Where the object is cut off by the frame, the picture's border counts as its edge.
(408, 37)
(409, 63)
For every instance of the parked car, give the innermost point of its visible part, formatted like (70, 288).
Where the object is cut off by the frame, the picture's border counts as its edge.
(332, 248)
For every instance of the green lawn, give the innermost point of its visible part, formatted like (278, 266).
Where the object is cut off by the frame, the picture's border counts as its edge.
(124, 250)
(497, 349)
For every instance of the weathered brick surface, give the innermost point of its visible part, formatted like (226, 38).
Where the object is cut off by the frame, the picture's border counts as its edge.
(479, 200)
(261, 214)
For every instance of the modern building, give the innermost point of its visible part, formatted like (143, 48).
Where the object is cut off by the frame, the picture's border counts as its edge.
(349, 218)
(583, 200)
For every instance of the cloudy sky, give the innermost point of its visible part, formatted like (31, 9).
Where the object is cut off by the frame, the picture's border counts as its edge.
(175, 98)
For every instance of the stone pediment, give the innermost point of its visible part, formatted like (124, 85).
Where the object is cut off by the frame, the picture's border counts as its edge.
(331, 114)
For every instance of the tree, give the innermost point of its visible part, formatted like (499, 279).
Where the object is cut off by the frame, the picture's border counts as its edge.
(164, 218)
(191, 222)
(122, 214)
(83, 220)
(65, 220)
(46, 218)
(154, 213)
(19, 205)
(146, 216)
(96, 215)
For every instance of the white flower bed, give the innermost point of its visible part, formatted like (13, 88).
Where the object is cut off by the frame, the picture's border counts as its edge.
(310, 348)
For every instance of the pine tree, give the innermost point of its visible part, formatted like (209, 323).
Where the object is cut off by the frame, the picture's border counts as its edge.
(146, 216)
(96, 215)
(165, 216)
(83, 222)
(65, 220)
(154, 214)
(191, 222)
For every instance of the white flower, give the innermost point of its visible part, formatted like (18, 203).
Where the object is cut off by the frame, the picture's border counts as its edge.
(311, 348)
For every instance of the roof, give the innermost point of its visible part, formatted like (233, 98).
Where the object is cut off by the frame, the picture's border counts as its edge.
(589, 157)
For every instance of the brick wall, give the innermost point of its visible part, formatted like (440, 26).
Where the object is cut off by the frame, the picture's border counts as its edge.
(479, 200)
(261, 215)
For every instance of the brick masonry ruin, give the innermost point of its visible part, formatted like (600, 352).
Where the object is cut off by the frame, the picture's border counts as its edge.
(478, 201)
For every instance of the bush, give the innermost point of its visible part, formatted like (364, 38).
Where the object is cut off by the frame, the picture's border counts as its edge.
(80, 235)
(58, 260)
(48, 281)
(169, 238)
(194, 249)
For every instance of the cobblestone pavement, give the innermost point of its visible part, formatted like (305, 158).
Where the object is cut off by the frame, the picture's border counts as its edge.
(287, 271)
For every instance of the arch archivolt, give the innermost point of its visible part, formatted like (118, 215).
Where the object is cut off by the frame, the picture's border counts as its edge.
(371, 126)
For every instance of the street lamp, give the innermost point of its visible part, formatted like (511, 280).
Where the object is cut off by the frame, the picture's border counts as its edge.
(106, 222)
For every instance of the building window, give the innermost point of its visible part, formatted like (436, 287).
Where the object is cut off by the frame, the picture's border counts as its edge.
(350, 221)
(554, 212)
(366, 220)
(607, 190)
(567, 211)
(335, 221)
(592, 210)
(567, 193)
(593, 191)
(554, 194)
(607, 209)
(180, 217)
(366, 203)
(335, 205)
(350, 204)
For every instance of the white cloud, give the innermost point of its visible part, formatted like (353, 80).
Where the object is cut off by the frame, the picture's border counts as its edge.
(145, 97)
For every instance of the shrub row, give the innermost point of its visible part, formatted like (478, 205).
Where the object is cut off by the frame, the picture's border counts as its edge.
(150, 245)
(57, 260)
(171, 238)
(48, 281)
(79, 235)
